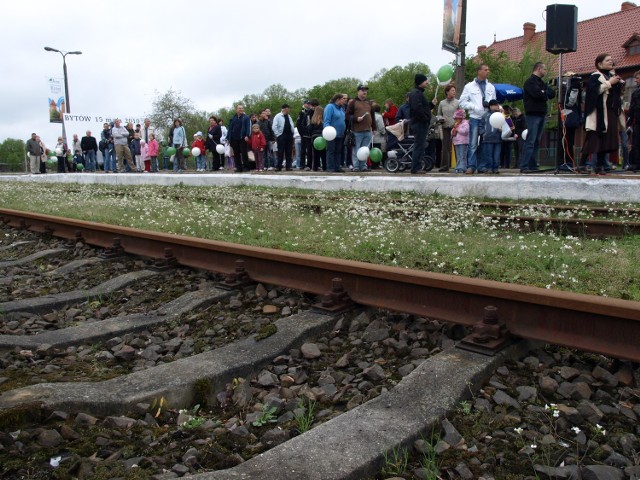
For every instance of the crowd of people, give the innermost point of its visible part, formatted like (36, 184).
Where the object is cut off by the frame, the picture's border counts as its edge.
(463, 126)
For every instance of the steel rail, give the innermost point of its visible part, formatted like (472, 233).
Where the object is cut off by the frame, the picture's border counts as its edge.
(574, 226)
(597, 324)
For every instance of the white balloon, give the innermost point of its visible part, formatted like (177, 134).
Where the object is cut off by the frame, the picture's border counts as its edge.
(220, 149)
(329, 133)
(524, 134)
(497, 120)
(59, 151)
(195, 152)
(363, 153)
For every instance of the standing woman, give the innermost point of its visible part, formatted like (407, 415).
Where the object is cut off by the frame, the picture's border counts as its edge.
(214, 138)
(319, 161)
(178, 139)
(333, 116)
(61, 154)
(603, 111)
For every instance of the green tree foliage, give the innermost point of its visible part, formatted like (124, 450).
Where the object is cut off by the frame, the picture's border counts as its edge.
(325, 92)
(12, 155)
(395, 82)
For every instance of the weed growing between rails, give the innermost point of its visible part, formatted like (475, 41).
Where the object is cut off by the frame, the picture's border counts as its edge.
(432, 233)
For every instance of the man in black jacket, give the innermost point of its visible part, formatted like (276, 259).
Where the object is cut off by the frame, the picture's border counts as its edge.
(420, 115)
(89, 148)
(536, 95)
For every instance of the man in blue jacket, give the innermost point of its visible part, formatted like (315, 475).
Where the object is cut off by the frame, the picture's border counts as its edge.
(238, 135)
(536, 95)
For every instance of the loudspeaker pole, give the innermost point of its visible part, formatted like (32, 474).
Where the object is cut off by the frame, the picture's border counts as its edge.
(462, 60)
(560, 152)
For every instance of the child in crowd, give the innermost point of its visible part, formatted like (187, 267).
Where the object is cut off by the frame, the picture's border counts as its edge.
(136, 151)
(201, 160)
(491, 142)
(144, 153)
(77, 160)
(460, 139)
(153, 152)
(257, 143)
(228, 153)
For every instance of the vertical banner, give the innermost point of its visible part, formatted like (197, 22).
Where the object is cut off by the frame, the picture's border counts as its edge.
(57, 105)
(451, 25)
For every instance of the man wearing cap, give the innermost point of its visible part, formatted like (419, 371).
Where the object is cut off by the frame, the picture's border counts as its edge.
(475, 98)
(420, 116)
(283, 130)
(536, 96)
(33, 148)
(361, 118)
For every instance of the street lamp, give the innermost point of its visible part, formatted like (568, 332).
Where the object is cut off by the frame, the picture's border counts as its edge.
(64, 67)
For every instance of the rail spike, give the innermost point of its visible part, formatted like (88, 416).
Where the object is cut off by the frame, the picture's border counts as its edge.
(237, 279)
(489, 335)
(168, 262)
(77, 238)
(114, 251)
(336, 301)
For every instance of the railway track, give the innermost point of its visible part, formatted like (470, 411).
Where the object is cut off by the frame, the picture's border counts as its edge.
(424, 295)
(603, 325)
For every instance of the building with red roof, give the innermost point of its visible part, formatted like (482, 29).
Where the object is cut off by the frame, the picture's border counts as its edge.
(623, 45)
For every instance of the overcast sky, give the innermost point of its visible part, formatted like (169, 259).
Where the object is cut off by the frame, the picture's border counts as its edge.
(216, 52)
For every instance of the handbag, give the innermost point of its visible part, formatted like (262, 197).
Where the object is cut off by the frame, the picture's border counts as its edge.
(251, 156)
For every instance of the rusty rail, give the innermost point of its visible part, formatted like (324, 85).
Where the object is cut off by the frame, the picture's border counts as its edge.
(602, 325)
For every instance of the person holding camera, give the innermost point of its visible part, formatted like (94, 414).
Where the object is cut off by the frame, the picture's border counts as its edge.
(475, 98)
(536, 95)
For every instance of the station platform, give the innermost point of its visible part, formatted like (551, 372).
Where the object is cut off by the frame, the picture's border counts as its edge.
(619, 187)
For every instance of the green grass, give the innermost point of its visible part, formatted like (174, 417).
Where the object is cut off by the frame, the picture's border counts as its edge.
(431, 233)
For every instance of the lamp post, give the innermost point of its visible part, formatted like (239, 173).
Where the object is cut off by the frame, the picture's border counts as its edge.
(66, 80)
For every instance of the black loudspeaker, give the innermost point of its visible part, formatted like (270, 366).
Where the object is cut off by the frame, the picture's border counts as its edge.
(562, 28)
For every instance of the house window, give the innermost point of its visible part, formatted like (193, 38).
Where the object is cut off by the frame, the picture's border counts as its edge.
(634, 50)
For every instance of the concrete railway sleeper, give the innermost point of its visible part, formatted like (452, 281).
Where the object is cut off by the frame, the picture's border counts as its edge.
(310, 395)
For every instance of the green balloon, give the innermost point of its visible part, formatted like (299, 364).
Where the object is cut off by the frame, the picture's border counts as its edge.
(171, 151)
(186, 151)
(319, 143)
(51, 162)
(375, 155)
(445, 73)
(80, 167)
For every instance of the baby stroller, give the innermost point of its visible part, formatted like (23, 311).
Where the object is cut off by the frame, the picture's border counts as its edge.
(400, 149)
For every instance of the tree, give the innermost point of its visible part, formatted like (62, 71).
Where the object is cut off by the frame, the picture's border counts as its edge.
(395, 82)
(325, 92)
(12, 155)
(167, 107)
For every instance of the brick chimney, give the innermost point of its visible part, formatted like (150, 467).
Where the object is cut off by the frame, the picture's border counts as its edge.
(627, 6)
(481, 48)
(529, 30)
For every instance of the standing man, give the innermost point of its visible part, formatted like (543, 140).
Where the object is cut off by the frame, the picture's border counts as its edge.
(121, 141)
(89, 148)
(475, 98)
(420, 115)
(146, 130)
(283, 130)
(536, 95)
(33, 149)
(360, 114)
(238, 135)
(108, 149)
(265, 127)
(303, 124)
(446, 109)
